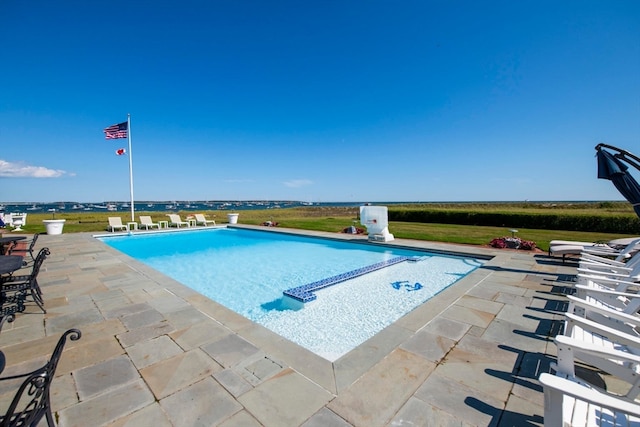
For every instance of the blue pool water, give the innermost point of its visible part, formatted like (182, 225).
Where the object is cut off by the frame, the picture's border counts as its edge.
(248, 271)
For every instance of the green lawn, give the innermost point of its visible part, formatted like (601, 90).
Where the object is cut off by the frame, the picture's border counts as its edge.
(331, 219)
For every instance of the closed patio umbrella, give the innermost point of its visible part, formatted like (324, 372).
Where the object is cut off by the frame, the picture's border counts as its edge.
(613, 168)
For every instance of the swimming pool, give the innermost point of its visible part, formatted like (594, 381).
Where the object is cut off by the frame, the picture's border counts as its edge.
(247, 271)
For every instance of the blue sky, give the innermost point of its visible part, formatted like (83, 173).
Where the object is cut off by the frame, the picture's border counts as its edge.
(316, 101)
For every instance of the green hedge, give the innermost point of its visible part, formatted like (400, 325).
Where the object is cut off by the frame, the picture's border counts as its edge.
(622, 224)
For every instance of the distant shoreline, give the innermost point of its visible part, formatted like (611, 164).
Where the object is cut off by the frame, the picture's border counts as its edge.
(240, 205)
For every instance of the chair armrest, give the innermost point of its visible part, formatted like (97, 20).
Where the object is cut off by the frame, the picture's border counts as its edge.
(611, 334)
(605, 274)
(590, 290)
(595, 258)
(614, 314)
(594, 266)
(581, 392)
(605, 352)
(607, 281)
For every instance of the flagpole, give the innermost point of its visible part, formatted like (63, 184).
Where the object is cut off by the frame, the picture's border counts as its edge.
(133, 217)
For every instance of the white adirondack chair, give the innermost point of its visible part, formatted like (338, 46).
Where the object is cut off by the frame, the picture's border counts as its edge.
(630, 271)
(613, 293)
(610, 344)
(628, 257)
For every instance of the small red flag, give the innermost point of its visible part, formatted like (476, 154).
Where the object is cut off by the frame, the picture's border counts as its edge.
(121, 151)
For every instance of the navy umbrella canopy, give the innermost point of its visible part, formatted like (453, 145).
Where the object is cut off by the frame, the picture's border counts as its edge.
(613, 168)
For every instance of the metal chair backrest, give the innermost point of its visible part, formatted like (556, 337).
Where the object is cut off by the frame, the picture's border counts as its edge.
(33, 394)
(13, 249)
(42, 255)
(32, 245)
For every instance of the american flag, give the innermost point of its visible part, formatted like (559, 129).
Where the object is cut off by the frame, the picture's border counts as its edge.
(116, 131)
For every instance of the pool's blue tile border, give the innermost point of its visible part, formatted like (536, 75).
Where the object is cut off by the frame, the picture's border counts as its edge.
(305, 293)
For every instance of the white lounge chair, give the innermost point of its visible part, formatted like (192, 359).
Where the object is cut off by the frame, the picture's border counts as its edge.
(577, 250)
(115, 223)
(569, 403)
(200, 219)
(176, 221)
(614, 244)
(147, 222)
(618, 249)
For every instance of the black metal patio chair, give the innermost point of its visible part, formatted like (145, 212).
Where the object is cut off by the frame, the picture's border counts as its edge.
(14, 250)
(32, 400)
(14, 288)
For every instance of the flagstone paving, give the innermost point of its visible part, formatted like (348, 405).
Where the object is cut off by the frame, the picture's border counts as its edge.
(153, 352)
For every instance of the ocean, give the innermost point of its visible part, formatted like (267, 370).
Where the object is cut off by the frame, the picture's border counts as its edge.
(162, 206)
(230, 205)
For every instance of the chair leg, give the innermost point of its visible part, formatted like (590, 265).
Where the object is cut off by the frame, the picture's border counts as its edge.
(36, 294)
(37, 301)
(49, 416)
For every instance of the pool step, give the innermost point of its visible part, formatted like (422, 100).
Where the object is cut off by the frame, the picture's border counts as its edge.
(305, 293)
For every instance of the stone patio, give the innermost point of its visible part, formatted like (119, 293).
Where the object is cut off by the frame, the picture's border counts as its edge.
(155, 353)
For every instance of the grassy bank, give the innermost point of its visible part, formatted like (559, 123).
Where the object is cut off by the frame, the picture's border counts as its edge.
(335, 219)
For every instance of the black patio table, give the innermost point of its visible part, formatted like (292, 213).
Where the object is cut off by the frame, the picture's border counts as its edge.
(9, 239)
(10, 263)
